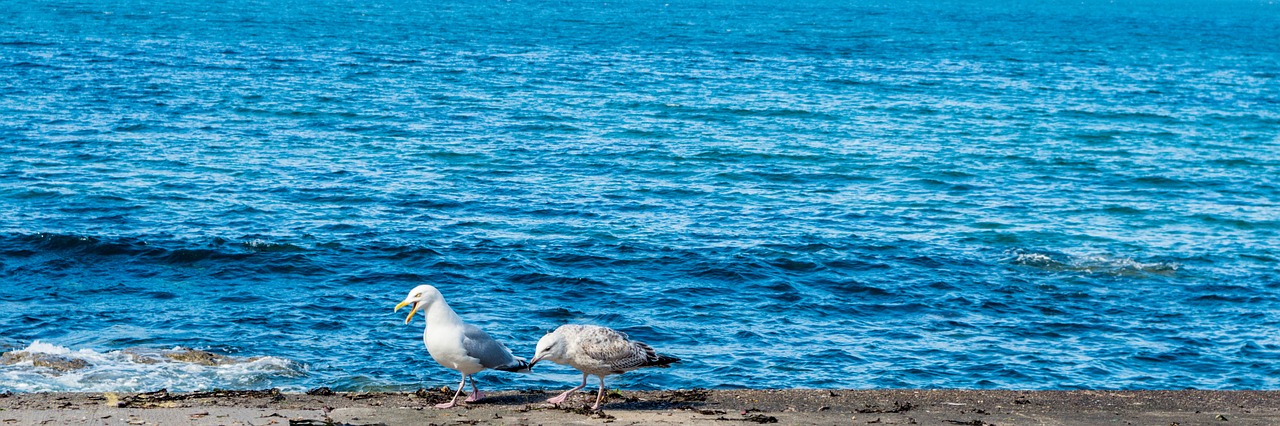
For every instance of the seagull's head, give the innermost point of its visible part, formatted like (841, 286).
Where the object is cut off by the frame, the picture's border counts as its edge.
(421, 297)
(551, 347)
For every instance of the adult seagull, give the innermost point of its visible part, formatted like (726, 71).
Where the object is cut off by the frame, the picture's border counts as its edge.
(456, 344)
(595, 350)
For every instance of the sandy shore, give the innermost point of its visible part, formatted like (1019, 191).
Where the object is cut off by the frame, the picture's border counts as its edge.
(785, 407)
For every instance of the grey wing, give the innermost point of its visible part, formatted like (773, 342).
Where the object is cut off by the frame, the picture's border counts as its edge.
(491, 353)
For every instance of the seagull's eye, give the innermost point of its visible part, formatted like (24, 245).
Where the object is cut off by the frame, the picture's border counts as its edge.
(418, 295)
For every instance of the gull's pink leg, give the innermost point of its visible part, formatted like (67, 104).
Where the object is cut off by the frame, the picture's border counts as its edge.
(455, 394)
(600, 396)
(560, 398)
(476, 395)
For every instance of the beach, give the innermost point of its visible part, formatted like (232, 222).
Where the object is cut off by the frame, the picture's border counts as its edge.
(697, 406)
(972, 212)
(899, 194)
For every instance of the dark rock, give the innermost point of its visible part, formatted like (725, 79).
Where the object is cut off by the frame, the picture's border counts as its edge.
(57, 363)
(321, 391)
(196, 356)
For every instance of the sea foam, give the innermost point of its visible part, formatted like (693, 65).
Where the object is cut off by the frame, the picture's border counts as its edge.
(45, 367)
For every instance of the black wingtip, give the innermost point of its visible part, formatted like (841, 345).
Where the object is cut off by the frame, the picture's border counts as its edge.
(663, 361)
(520, 366)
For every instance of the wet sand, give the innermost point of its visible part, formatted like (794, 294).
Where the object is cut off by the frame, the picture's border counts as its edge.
(699, 407)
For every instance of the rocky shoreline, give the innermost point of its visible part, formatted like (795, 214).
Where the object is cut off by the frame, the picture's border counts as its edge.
(697, 406)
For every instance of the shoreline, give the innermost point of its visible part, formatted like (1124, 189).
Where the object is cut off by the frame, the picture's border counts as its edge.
(697, 406)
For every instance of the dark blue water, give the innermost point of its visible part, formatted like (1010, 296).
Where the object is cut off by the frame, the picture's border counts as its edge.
(833, 194)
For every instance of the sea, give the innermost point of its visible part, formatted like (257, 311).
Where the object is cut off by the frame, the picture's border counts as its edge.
(825, 194)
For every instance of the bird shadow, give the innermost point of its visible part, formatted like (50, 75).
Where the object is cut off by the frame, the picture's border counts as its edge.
(521, 398)
(663, 400)
(614, 400)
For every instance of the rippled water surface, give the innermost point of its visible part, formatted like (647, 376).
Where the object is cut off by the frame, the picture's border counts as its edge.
(833, 194)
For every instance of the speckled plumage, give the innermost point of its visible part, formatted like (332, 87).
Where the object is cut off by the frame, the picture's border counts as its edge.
(598, 351)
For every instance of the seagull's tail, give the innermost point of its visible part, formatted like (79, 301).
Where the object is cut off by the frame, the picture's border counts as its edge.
(520, 365)
(661, 361)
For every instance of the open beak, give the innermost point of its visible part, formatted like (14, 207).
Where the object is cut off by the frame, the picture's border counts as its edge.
(411, 312)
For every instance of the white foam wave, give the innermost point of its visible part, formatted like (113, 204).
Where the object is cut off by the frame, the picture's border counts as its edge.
(45, 348)
(1093, 264)
(137, 370)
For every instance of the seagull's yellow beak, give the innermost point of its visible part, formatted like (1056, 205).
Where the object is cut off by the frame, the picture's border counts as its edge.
(411, 312)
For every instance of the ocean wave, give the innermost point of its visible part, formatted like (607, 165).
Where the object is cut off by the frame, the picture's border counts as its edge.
(45, 367)
(1091, 264)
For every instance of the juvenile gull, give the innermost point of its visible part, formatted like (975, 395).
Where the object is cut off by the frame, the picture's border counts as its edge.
(595, 350)
(458, 345)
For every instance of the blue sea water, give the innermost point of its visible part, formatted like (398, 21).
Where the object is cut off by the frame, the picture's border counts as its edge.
(817, 194)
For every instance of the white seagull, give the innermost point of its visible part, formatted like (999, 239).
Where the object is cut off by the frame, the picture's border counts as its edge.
(595, 350)
(456, 344)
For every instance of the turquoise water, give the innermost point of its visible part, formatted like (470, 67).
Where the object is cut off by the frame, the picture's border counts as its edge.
(890, 194)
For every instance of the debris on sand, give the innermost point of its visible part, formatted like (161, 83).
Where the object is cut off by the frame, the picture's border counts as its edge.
(752, 418)
(162, 398)
(898, 407)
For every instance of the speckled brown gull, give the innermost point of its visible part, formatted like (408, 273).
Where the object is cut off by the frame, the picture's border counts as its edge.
(595, 350)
